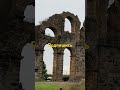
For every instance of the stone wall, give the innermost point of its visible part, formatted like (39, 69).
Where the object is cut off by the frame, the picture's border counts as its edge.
(15, 34)
(103, 37)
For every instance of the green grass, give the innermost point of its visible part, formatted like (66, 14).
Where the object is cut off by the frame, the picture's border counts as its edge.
(58, 85)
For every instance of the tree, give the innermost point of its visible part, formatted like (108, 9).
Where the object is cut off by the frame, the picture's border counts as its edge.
(44, 72)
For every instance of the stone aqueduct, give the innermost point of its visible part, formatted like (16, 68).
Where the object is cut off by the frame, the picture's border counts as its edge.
(76, 38)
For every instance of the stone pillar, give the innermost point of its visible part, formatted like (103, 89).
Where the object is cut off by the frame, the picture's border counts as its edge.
(101, 17)
(80, 63)
(54, 77)
(91, 36)
(102, 79)
(58, 65)
(72, 68)
(96, 28)
(38, 64)
(10, 71)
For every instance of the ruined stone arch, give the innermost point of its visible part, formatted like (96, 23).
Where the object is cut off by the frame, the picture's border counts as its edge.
(26, 75)
(54, 23)
(66, 61)
(16, 41)
(49, 32)
(67, 26)
(18, 33)
(72, 63)
(41, 29)
(50, 56)
(74, 21)
(72, 50)
(61, 37)
(53, 30)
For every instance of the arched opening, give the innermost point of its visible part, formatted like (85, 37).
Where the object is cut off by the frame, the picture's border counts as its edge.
(27, 67)
(110, 3)
(49, 32)
(29, 14)
(48, 61)
(67, 25)
(66, 64)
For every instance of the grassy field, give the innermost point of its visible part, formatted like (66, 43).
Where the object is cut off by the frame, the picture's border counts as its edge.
(58, 85)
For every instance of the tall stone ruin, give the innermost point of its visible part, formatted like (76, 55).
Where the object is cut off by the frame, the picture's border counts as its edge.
(77, 62)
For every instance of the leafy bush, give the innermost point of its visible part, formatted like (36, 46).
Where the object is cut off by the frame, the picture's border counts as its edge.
(65, 78)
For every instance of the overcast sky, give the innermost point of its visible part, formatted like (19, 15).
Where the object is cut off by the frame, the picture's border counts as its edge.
(46, 8)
